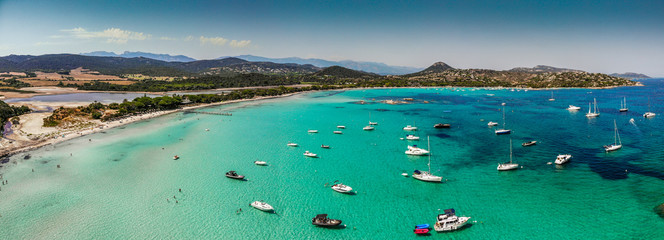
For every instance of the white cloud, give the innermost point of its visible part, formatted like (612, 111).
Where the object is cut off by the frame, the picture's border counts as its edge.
(219, 41)
(240, 44)
(189, 38)
(167, 38)
(111, 35)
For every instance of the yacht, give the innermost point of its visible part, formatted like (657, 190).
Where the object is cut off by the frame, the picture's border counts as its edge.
(410, 128)
(234, 175)
(623, 105)
(368, 128)
(263, 206)
(449, 221)
(427, 176)
(529, 143)
(341, 127)
(312, 131)
(503, 130)
(321, 220)
(310, 154)
(412, 137)
(340, 187)
(414, 150)
(573, 108)
(595, 112)
(491, 124)
(260, 163)
(649, 114)
(324, 146)
(442, 125)
(563, 158)
(617, 144)
(508, 165)
(338, 132)
(290, 144)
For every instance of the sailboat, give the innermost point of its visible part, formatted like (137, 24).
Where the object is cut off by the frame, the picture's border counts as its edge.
(370, 122)
(369, 127)
(427, 176)
(552, 99)
(649, 114)
(617, 144)
(623, 105)
(503, 130)
(595, 112)
(508, 165)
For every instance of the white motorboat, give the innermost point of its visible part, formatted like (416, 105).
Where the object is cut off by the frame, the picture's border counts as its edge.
(449, 221)
(412, 137)
(340, 187)
(427, 176)
(491, 124)
(414, 150)
(310, 154)
(595, 112)
(260, 163)
(563, 158)
(573, 108)
(617, 144)
(368, 128)
(503, 130)
(312, 131)
(290, 144)
(508, 165)
(404, 174)
(341, 127)
(338, 132)
(410, 128)
(263, 206)
(623, 105)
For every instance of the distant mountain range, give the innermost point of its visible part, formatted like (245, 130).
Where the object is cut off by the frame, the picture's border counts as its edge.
(543, 69)
(127, 54)
(372, 67)
(630, 75)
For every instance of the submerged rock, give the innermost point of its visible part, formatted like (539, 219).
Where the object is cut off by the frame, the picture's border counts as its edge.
(660, 210)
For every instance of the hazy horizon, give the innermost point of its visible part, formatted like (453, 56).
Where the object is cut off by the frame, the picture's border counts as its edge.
(594, 36)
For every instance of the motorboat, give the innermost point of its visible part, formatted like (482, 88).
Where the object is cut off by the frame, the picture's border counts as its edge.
(234, 175)
(404, 174)
(595, 110)
(290, 144)
(491, 124)
(649, 114)
(449, 221)
(412, 137)
(442, 125)
(310, 154)
(324, 146)
(573, 108)
(617, 144)
(340, 187)
(414, 150)
(321, 220)
(341, 127)
(529, 143)
(176, 157)
(312, 131)
(508, 165)
(409, 128)
(260, 163)
(373, 123)
(338, 132)
(368, 128)
(427, 176)
(263, 206)
(563, 158)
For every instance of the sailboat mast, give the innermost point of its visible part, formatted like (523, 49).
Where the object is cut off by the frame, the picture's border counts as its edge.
(510, 150)
(615, 132)
(503, 116)
(429, 147)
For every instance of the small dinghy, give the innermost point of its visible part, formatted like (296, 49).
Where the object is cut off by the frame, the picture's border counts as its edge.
(310, 154)
(421, 231)
(422, 226)
(290, 144)
(176, 157)
(321, 220)
(442, 125)
(526, 144)
(263, 206)
(340, 187)
(338, 132)
(234, 175)
(260, 163)
(325, 146)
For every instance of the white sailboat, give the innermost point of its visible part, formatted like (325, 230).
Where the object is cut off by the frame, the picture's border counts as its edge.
(623, 105)
(427, 176)
(595, 112)
(649, 114)
(370, 122)
(503, 130)
(552, 99)
(617, 144)
(508, 165)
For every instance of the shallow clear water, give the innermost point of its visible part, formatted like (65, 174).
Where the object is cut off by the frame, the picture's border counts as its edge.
(116, 184)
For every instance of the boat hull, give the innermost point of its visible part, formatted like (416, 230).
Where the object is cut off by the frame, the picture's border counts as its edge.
(612, 147)
(451, 227)
(503, 132)
(507, 166)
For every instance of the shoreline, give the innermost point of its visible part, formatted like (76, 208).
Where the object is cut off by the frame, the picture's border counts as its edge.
(102, 126)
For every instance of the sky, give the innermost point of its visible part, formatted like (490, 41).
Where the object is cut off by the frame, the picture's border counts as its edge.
(595, 36)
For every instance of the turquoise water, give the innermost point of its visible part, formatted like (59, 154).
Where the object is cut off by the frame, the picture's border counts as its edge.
(116, 184)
